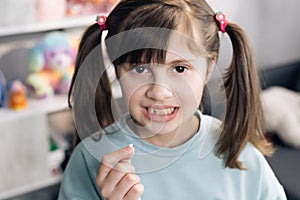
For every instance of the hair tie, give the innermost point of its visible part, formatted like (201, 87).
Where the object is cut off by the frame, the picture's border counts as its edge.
(223, 22)
(101, 20)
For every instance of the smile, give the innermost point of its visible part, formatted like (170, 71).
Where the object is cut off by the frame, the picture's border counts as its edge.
(165, 111)
(158, 114)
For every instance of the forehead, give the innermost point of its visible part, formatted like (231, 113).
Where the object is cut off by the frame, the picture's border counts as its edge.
(180, 45)
(183, 48)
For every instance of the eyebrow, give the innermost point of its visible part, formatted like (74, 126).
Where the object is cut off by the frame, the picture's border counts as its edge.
(189, 61)
(181, 61)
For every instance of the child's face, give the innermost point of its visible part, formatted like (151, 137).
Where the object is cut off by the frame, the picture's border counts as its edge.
(163, 97)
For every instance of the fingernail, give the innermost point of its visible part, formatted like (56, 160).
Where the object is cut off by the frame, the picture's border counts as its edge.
(131, 148)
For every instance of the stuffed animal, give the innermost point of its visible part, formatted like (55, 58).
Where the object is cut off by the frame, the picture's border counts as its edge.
(89, 7)
(52, 60)
(281, 108)
(39, 86)
(17, 99)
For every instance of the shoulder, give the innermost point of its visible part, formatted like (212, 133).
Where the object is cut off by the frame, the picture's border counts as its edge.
(79, 175)
(253, 159)
(250, 153)
(81, 171)
(259, 170)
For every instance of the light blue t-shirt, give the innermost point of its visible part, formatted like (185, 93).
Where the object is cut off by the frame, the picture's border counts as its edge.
(189, 171)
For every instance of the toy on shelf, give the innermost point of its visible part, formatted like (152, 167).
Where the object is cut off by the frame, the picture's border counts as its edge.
(17, 99)
(39, 86)
(51, 64)
(53, 10)
(88, 7)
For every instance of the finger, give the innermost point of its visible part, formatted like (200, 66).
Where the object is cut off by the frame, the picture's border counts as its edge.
(135, 192)
(124, 186)
(128, 160)
(115, 176)
(123, 154)
(109, 160)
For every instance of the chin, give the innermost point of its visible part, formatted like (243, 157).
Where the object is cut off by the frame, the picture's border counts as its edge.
(154, 128)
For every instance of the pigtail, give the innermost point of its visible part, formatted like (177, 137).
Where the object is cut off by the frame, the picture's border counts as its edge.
(243, 119)
(91, 39)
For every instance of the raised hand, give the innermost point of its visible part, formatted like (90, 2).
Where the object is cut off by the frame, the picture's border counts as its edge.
(116, 179)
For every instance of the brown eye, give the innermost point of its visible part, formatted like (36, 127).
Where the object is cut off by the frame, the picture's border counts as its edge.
(180, 69)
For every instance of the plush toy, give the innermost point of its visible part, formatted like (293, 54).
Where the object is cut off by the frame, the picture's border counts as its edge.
(39, 86)
(281, 108)
(17, 99)
(50, 62)
(89, 7)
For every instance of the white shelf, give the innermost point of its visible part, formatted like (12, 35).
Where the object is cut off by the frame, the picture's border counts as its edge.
(68, 22)
(36, 106)
(32, 187)
(25, 123)
(30, 123)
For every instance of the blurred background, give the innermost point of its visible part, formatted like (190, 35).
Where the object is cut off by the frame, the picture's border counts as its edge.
(38, 44)
(272, 26)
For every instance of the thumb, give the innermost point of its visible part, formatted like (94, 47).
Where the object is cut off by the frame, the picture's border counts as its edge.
(130, 149)
(124, 155)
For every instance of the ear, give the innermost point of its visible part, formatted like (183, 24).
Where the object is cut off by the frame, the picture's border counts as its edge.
(210, 68)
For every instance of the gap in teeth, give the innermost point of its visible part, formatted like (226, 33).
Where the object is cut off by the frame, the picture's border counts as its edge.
(165, 111)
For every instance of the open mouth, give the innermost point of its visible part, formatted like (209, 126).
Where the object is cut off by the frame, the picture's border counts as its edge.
(165, 111)
(161, 114)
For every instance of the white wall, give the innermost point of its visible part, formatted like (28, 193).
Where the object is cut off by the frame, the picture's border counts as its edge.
(272, 25)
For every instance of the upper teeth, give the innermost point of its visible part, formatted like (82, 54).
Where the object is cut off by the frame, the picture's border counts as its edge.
(157, 111)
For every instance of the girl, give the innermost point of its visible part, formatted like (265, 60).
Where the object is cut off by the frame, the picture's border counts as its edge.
(163, 53)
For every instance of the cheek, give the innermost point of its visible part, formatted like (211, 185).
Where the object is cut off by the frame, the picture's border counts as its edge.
(133, 88)
(189, 91)
(132, 93)
(198, 92)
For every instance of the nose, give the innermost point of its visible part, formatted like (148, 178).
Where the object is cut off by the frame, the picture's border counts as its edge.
(158, 92)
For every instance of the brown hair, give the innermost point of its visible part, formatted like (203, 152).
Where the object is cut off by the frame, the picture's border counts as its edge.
(243, 117)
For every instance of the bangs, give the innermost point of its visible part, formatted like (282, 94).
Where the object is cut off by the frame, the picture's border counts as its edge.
(144, 35)
(142, 56)
(142, 45)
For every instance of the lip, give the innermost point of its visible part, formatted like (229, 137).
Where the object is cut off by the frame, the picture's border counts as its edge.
(160, 117)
